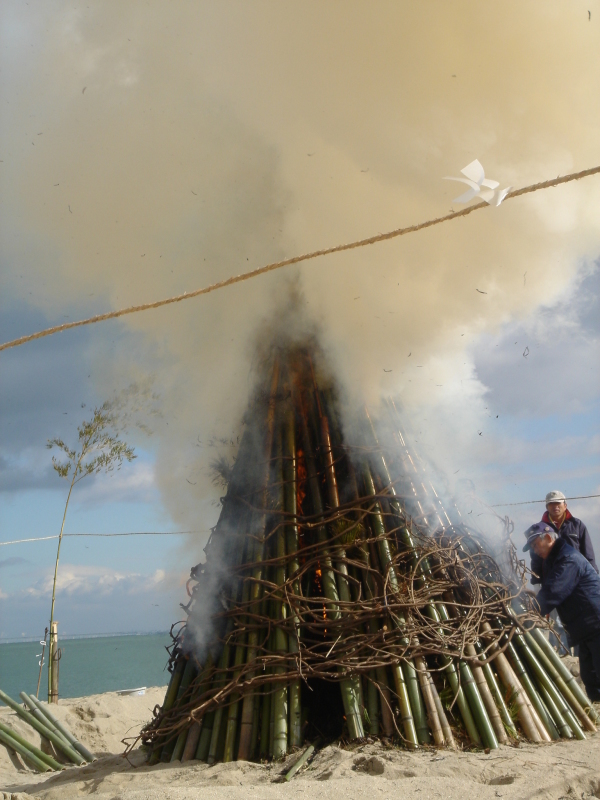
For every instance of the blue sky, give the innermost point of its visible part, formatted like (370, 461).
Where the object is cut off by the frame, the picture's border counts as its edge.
(147, 152)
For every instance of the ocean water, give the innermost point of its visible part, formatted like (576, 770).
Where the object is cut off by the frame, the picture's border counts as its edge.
(88, 665)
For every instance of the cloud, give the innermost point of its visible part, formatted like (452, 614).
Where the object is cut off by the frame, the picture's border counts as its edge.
(12, 562)
(81, 582)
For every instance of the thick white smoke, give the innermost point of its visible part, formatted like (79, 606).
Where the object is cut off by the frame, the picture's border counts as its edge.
(153, 149)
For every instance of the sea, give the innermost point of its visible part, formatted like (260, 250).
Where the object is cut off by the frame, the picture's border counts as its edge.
(89, 665)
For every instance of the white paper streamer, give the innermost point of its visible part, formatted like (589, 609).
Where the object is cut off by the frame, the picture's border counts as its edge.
(479, 186)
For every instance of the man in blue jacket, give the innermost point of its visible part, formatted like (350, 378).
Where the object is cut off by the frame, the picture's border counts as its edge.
(560, 519)
(572, 587)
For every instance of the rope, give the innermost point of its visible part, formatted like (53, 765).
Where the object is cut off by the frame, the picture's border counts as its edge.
(105, 535)
(529, 502)
(381, 237)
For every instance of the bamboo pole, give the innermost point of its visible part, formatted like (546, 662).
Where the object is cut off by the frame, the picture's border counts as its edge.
(486, 696)
(189, 674)
(512, 684)
(89, 756)
(56, 740)
(48, 759)
(565, 674)
(195, 729)
(26, 752)
(205, 736)
(290, 499)
(302, 760)
(531, 691)
(33, 709)
(432, 713)
(170, 696)
(53, 654)
(438, 612)
(258, 529)
(446, 729)
(497, 695)
(329, 584)
(564, 714)
(566, 692)
(280, 637)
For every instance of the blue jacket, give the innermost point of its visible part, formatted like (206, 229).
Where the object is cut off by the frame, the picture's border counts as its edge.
(575, 532)
(572, 587)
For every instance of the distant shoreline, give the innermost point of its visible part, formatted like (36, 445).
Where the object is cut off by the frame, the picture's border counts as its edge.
(73, 636)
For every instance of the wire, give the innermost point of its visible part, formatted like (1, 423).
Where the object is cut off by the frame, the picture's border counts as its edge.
(105, 535)
(529, 502)
(381, 237)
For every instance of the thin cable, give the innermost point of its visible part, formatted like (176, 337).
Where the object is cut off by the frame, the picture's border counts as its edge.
(529, 502)
(105, 535)
(381, 237)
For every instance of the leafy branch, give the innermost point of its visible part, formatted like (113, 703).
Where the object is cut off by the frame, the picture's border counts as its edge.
(98, 449)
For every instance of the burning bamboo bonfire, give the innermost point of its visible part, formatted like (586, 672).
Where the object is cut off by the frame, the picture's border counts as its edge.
(339, 598)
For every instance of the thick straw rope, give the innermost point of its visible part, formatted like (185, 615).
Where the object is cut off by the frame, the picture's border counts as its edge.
(380, 237)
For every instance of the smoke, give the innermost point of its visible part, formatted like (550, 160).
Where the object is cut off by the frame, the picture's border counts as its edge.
(156, 149)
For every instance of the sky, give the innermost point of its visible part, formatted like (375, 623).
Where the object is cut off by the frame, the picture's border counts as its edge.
(151, 149)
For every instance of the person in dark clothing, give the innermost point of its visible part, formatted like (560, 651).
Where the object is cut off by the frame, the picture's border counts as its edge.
(572, 587)
(560, 519)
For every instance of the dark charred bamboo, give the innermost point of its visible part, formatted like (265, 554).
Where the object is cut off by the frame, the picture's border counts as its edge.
(290, 498)
(259, 530)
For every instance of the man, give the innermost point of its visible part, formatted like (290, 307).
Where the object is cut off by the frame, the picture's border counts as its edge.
(572, 587)
(560, 519)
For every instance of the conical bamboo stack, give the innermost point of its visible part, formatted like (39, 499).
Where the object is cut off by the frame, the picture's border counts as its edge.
(340, 598)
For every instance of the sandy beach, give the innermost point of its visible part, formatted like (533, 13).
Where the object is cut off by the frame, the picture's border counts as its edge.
(366, 771)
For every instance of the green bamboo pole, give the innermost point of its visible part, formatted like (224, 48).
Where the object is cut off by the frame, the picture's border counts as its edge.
(564, 719)
(205, 736)
(513, 685)
(566, 692)
(565, 674)
(487, 697)
(219, 683)
(255, 727)
(189, 673)
(239, 656)
(195, 729)
(531, 691)
(341, 574)
(258, 527)
(265, 729)
(302, 760)
(497, 694)
(28, 751)
(56, 740)
(474, 708)
(33, 709)
(48, 759)
(373, 704)
(35, 703)
(170, 696)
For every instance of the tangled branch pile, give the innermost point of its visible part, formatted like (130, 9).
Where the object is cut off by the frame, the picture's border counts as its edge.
(329, 580)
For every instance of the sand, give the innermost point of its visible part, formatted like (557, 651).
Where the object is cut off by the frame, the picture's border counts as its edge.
(566, 769)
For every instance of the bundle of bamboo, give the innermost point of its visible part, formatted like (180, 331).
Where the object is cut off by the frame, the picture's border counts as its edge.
(339, 600)
(45, 723)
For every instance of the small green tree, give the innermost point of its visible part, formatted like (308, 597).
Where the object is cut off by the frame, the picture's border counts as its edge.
(99, 449)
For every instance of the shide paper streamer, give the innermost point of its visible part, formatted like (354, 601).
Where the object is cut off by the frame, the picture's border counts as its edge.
(475, 180)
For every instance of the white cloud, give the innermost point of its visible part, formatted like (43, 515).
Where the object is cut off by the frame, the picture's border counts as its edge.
(78, 581)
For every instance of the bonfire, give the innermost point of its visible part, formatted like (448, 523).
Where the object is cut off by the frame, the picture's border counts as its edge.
(341, 598)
